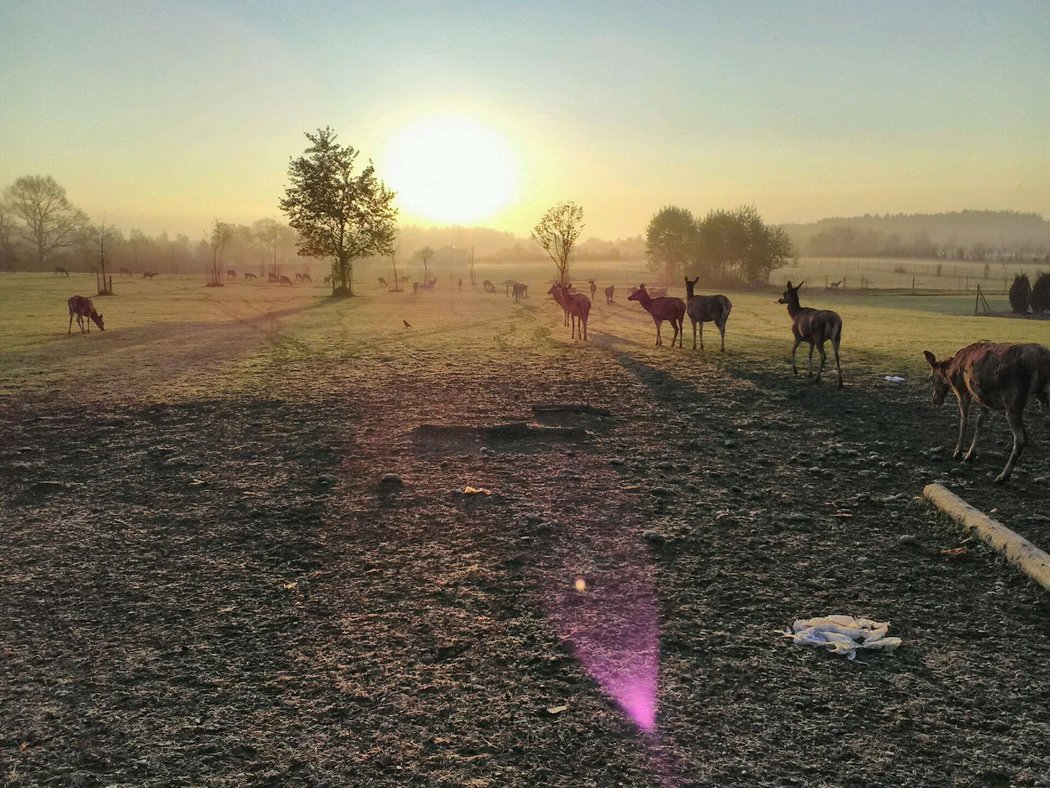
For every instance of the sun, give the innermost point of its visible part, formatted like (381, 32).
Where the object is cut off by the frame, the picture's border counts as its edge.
(452, 169)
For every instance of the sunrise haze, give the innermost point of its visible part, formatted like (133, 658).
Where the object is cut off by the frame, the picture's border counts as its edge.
(167, 116)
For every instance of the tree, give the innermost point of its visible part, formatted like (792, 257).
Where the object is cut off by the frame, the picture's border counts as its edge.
(51, 221)
(338, 214)
(101, 234)
(670, 241)
(557, 231)
(1019, 293)
(1039, 298)
(738, 245)
(426, 254)
(222, 235)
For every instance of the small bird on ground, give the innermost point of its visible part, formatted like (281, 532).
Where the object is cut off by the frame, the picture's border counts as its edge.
(407, 324)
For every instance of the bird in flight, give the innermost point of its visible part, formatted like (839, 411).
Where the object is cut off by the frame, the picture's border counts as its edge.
(407, 324)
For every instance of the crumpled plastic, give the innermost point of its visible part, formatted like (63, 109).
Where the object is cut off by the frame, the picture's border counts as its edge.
(842, 634)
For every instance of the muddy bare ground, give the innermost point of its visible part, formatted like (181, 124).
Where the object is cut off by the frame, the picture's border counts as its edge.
(216, 589)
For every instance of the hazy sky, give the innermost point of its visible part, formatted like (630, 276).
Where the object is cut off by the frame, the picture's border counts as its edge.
(168, 115)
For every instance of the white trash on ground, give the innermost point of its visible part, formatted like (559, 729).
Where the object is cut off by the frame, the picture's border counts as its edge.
(842, 634)
(894, 379)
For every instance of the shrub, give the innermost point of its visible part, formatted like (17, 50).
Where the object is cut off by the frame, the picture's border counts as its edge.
(1039, 298)
(1019, 292)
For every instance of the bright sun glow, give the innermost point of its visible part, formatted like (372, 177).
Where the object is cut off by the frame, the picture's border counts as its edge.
(451, 169)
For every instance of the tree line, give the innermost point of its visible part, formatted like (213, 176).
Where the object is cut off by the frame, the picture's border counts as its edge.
(726, 247)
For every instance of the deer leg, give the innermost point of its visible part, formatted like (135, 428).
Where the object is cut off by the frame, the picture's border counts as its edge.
(70, 331)
(964, 413)
(659, 340)
(1014, 417)
(838, 366)
(794, 350)
(722, 331)
(971, 453)
(701, 334)
(810, 373)
(823, 359)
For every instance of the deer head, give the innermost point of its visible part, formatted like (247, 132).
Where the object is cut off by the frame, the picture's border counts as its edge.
(938, 377)
(637, 294)
(791, 294)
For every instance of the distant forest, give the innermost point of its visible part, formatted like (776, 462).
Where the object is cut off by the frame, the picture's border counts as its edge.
(964, 235)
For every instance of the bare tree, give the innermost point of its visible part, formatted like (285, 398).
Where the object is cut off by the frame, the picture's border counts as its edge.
(426, 254)
(221, 236)
(51, 221)
(471, 267)
(100, 233)
(557, 231)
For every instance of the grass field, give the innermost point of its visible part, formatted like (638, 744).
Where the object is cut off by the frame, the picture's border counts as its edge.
(206, 582)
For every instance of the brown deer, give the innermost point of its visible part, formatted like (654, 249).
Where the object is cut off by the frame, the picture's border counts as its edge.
(273, 277)
(520, 291)
(382, 281)
(997, 376)
(231, 274)
(149, 275)
(815, 326)
(706, 309)
(661, 309)
(488, 287)
(60, 271)
(298, 277)
(577, 308)
(610, 291)
(84, 311)
(250, 275)
(126, 272)
(284, 280)
(306, 278)
(594, 288)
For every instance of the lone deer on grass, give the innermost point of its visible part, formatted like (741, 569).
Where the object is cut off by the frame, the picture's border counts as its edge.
(149, 275)
(84, 311)
(594, 288)
(610, 291)
(815, 326)
(231, 274)
(662, 308)
(60, 271)
(997, 376)
(706, 309)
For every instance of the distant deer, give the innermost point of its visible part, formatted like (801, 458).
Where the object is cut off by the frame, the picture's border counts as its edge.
(126, 272)
(250, 275)
(488, 286)
(519, 291)
(274, 278)
(298, 277)
(231, 274)
(460, 285)
(576, 306)
(835, 285)
(149, 275)
(328, 279)
(382, 281)
(284, 280)
(306, 278)
(84, 311)
(815, 326)
(59, 271)
(662, 308)
(997, 376)
(594, 288)
(706, 309)
(610, 291)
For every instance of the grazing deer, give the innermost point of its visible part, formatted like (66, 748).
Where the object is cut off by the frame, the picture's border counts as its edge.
(60, 271)
(126, 272)
(576, 306)
(274, 278)
(706, 309)
(250, 275)
(815, 326)
(298, 277)
(84, 311)
(662, 308)
(610, 291)
(231, 274)
(149, 275)
(520, 291)
(306, 278)
(488, 286)
(997, 376)
(284, 280)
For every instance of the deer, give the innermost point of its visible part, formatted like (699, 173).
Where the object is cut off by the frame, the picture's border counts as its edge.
(995, 376)
(250, 275)
(126, 272)
(273, 277)
(84, 311)
(661, 309)
(594, 288)
(706, 309)
(815, 326)
(328, 279)
(306, 278)
(520, 291)
(383, 283)
(576, 306)
(298, 277)
(610, 291)
(284, 280)
(149, 275)
(231, 274)
(488, 287)
(60, 271)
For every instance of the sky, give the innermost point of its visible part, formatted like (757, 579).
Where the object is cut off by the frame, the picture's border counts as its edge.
(166, 116)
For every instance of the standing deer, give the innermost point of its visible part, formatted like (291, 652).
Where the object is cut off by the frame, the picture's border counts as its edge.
(575, 305)
(60, 271)
(996, 376)
(594, 288)
(149, 275)
(231, 274)
(382, 281)
(706, 309)
(249, 275)
(306, 278)
(662, 308)
(610, 291)
(519, 291)
(84, 311)
(815, 326)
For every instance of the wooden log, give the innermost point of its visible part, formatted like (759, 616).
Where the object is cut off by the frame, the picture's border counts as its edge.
(1018, 551)
(568, 408)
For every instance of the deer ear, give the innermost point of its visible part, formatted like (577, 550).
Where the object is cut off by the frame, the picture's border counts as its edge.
(789, 284)
(800, 284)
(930, 358)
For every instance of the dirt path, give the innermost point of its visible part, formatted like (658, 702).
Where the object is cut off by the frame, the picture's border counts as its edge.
(207, 583)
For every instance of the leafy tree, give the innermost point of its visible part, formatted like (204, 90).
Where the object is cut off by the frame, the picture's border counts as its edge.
(739, 246)
(557, 231)
(338, 214)
(670, 241)
(1039, 298)
(51, 221)
(1019, 293)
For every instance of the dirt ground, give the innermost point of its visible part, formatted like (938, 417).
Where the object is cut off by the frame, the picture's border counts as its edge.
(206, 582)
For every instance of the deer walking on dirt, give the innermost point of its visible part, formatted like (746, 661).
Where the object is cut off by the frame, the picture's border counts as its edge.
(706, 309)
(662, 308)
(996, 376)
(84, 311)
(815, 326)
(610, 291)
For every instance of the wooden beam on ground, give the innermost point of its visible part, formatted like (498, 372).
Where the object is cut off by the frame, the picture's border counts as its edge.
(1018, 550)
(569, 408)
